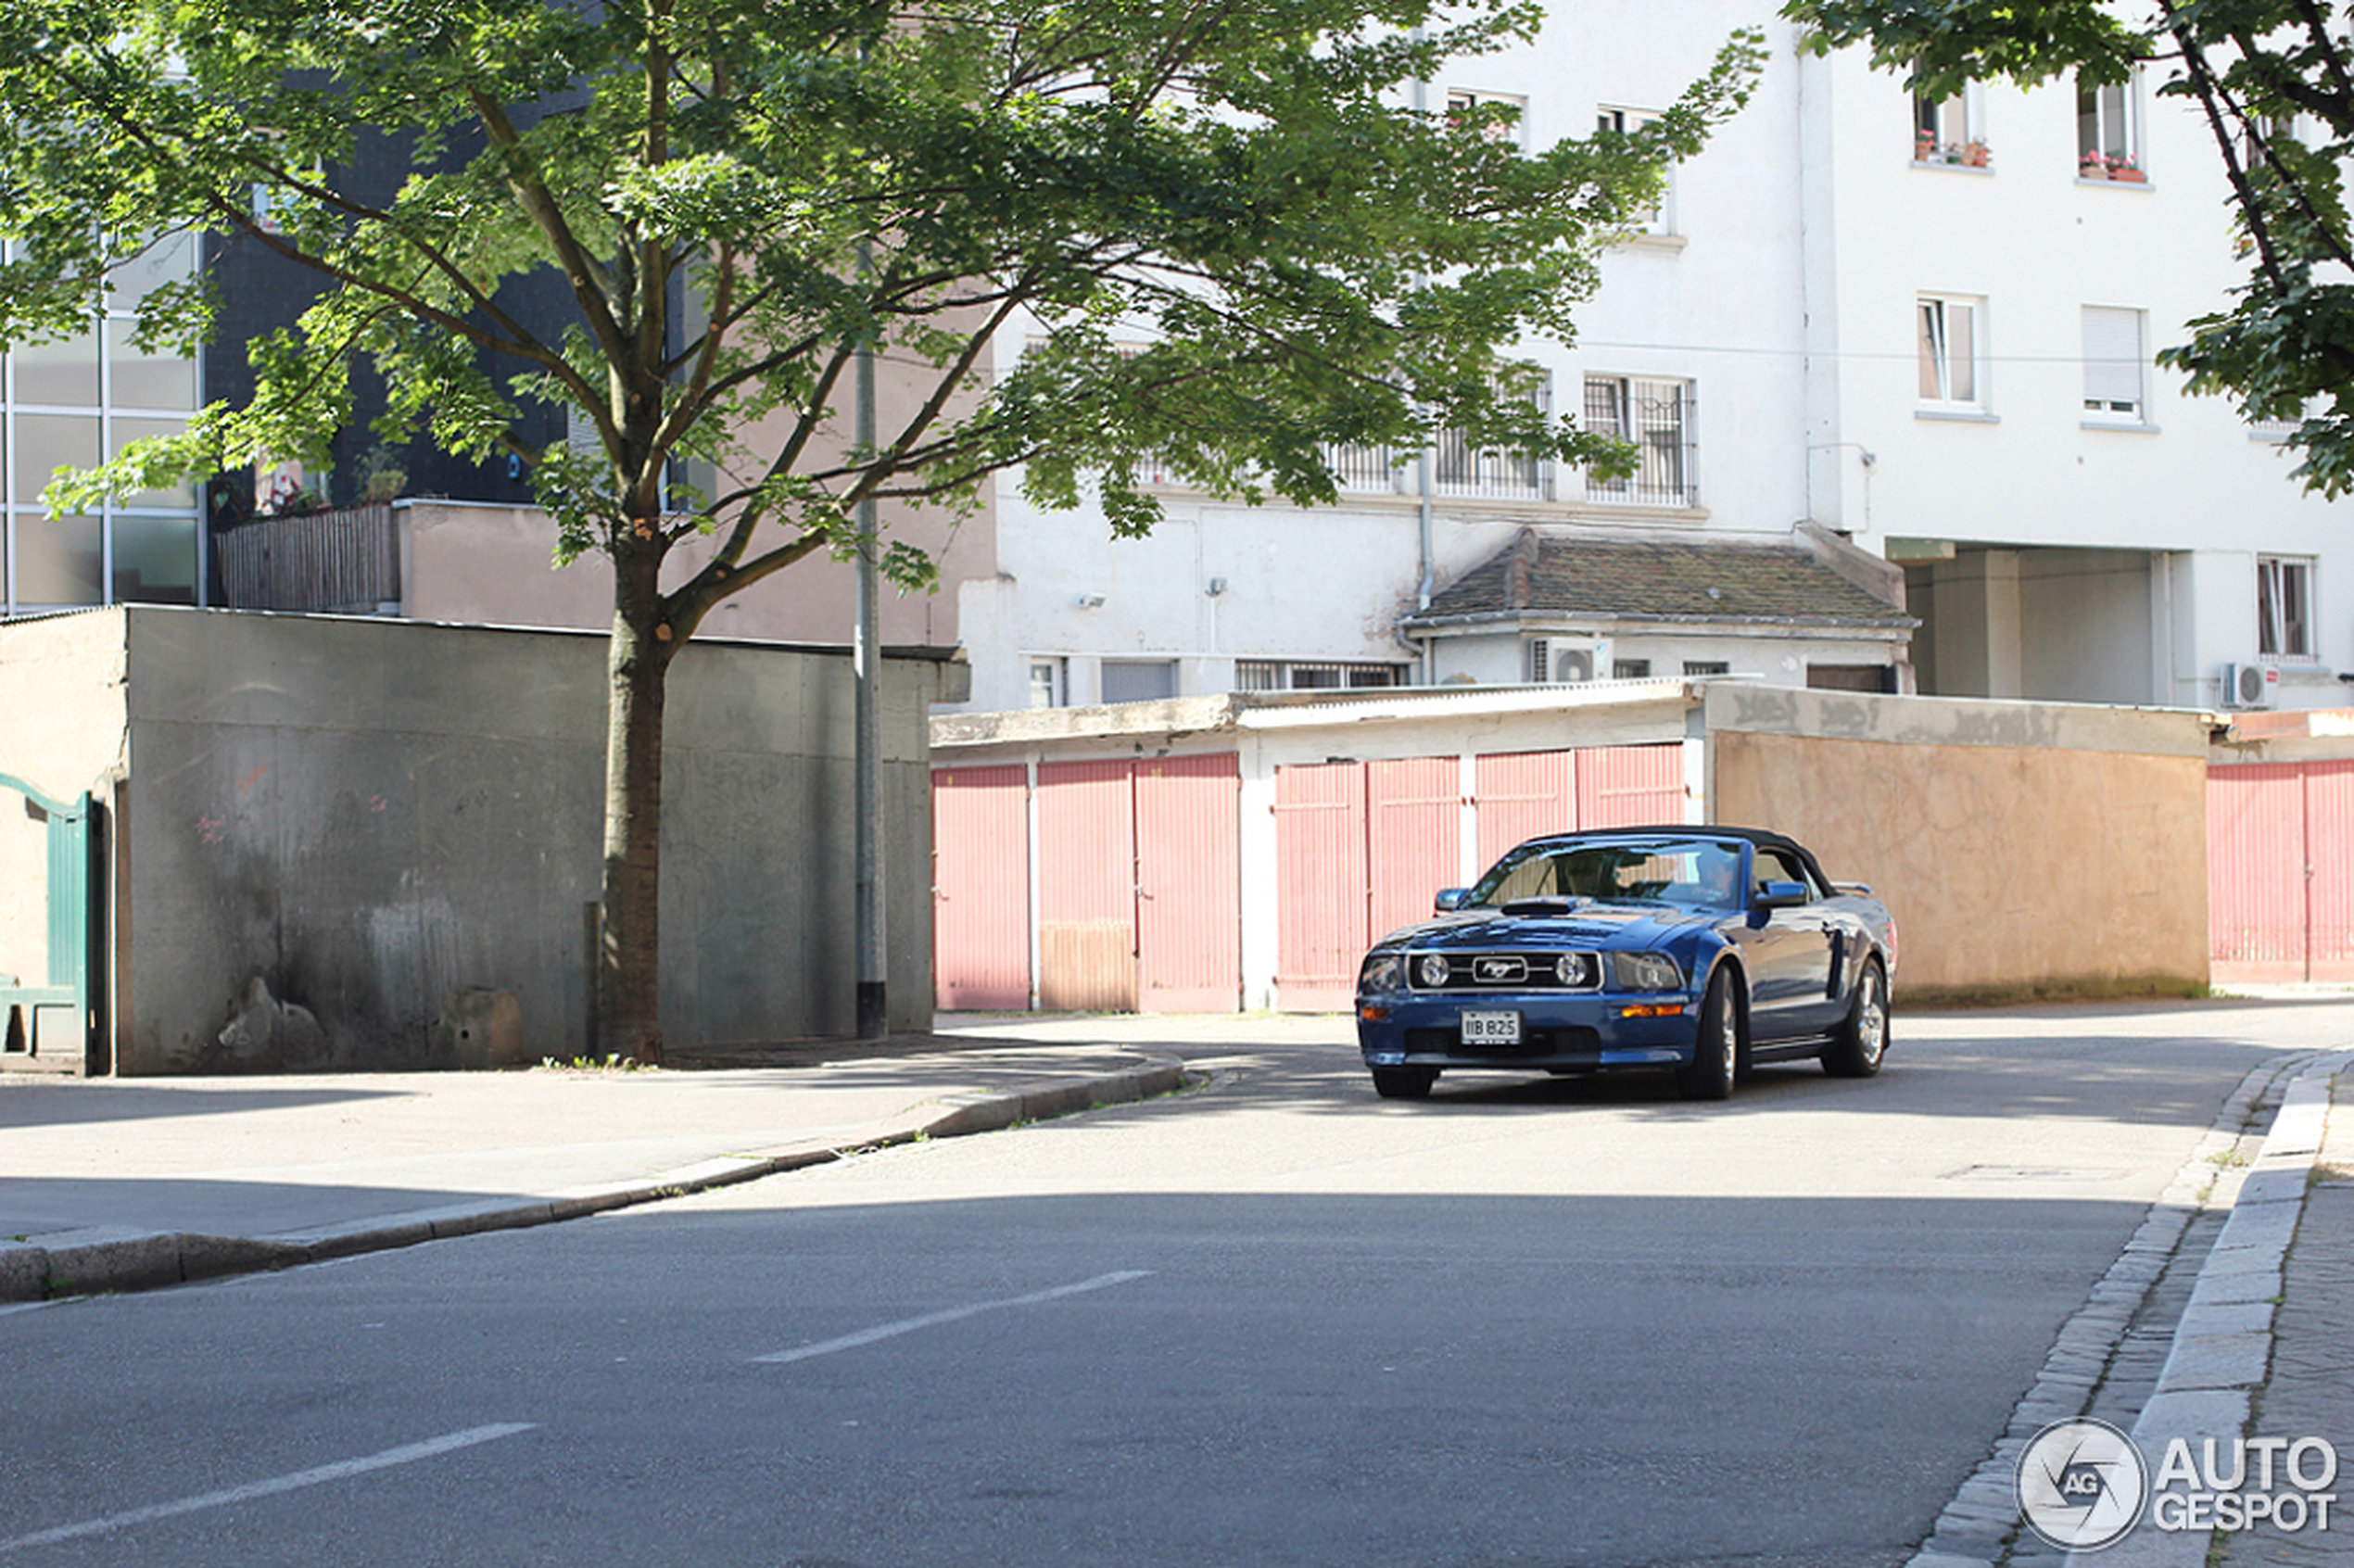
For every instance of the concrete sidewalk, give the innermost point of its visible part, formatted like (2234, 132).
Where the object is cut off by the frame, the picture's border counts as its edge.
(131, 1185)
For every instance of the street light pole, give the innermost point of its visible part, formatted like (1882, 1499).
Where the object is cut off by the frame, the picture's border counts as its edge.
(873, 944)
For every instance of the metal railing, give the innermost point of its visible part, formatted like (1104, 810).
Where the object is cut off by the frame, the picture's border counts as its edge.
(346, 560)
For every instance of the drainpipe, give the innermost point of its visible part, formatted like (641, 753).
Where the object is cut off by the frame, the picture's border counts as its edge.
(1427, 581)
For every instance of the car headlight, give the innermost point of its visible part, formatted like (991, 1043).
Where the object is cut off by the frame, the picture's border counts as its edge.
(1431, 971)
(1383, 972)
(1574, 969)
(1645, 971)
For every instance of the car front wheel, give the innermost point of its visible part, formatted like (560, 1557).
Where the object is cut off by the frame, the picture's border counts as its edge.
(1717, 1053)
(1861, 1040)
(1404, 1083)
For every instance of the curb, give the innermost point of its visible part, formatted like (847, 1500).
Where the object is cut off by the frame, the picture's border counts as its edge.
(2223, 1353)
(122, 1260)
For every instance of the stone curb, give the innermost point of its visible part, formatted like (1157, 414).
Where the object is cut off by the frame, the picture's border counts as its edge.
(88, 1262)
(2223, 1353)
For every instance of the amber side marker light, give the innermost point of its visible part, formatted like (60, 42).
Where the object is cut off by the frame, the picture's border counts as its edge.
(1652, 1010)
(1374, 1014)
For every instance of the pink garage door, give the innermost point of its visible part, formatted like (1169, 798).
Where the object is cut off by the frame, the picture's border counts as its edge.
(1319, 875)
(1086, 887)
(1189, 899)
(2280, 872)
(1413, 837)
(1521, 794)
(980, 888)
(1630, 786)
(2329, 850)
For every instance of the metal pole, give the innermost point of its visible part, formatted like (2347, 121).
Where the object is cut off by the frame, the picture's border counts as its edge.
(867, 663)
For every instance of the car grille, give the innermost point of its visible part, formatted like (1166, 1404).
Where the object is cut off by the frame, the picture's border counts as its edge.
(1477, 972)
(1573, 1040)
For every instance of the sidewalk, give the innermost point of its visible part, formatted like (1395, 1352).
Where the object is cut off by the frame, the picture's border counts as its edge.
(131, 1185)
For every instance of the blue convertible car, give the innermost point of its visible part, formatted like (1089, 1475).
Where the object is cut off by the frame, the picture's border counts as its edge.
(1697, 949)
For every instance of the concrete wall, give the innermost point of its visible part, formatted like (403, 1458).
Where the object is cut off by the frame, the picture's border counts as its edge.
(482, 565)
(369, 815)
(2025, 849)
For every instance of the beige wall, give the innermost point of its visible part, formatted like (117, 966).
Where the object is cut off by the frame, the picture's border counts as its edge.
(2025, 851)
(62, 726)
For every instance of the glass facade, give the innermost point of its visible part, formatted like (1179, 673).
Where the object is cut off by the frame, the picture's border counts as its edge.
(76, 403)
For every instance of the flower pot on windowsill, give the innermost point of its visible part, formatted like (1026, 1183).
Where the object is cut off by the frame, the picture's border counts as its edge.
(2128, 175)
(1977, 155)
(1924, 150)
(2091, 168)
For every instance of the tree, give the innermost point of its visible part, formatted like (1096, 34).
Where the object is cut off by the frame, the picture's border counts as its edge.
(2274, 82)
(1222, 239)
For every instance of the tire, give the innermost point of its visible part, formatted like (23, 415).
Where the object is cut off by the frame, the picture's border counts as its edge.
(1860, 1043)
(1716, 1055)
(1404, 1083)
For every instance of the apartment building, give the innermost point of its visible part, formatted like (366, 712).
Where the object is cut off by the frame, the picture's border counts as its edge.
(1895, 358)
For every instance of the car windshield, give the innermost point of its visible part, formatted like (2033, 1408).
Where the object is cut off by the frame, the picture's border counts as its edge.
(1691, 872)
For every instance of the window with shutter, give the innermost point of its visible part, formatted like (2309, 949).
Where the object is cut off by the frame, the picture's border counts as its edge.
(2113, 363)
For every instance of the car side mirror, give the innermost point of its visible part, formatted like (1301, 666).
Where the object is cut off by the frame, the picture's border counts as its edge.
(1449, 899)
(1779, 896)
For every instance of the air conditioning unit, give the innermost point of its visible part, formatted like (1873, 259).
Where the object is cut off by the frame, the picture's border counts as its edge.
(2249, 686)
(1569, 661)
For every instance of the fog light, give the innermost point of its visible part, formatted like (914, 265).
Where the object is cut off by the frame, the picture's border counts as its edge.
(1652, 1010)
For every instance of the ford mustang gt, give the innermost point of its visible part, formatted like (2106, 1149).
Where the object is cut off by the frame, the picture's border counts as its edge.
(1698, 950)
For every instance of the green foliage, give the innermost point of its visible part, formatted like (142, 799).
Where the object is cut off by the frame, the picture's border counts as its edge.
(2274, 80)
(1221, 239)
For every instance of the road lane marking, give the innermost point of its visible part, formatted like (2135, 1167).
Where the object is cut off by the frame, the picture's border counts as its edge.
(407, 1454)
(949, 1315)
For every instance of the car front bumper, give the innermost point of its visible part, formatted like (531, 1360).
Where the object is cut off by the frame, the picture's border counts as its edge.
(1587, 1032)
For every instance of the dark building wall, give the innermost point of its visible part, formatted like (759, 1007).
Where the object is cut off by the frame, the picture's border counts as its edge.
(261, 291)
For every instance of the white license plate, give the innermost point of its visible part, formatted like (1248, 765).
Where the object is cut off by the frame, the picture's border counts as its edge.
(1491, 1029)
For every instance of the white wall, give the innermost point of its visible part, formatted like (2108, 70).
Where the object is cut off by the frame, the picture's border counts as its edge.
(2038, 245)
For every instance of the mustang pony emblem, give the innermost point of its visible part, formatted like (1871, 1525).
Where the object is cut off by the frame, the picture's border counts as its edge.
(1494, 970)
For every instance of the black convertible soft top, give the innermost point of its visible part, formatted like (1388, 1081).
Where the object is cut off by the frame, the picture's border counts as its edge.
(1762, 837)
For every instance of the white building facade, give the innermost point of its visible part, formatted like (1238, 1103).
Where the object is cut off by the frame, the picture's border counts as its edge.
(1928, 330)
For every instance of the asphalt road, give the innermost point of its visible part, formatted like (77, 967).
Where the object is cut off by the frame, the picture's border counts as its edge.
(1276, 1321)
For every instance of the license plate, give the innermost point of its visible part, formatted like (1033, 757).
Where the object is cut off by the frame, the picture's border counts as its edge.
(1491, 1029)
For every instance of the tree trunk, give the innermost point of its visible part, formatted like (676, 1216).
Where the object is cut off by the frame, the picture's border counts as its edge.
(629, 940)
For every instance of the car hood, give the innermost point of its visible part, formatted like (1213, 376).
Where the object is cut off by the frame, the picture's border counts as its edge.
(1594, 925)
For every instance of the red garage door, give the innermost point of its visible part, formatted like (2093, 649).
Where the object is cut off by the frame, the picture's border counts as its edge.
(1320, 915)
(2280, 872)
(1189, 898)
(980, 888)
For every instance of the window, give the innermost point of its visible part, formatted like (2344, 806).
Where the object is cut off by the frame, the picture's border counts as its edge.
(2113, 363)
(1947, 130)
(1501, 116)
(1630, 669)
(1657, 417)
(1139, 680)
(1659, 218)
(2283, 607)
(1460, 469)
(1286, 674)
(77, 401)
(2108, 145)
(1049, 683)
(1948, 349)
(1707, 667)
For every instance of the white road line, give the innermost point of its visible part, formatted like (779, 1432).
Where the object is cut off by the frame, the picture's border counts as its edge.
(950, 1315)
(407, 1454)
